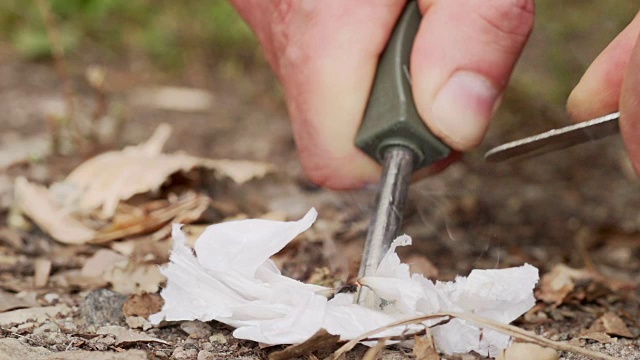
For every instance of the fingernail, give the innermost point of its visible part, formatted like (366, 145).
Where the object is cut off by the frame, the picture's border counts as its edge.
(462, 109)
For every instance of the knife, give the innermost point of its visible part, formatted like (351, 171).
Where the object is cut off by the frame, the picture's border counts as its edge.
(557, 139)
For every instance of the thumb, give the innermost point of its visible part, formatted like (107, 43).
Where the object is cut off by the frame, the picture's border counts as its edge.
(463, 56)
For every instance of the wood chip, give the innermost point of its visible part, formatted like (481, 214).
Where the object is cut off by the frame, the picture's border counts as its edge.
(125, 336)
(42, 269)
(527, 351)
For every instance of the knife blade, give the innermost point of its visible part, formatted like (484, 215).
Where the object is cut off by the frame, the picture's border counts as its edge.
(556, 139)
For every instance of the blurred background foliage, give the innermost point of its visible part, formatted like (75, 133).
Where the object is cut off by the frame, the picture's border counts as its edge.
(172, 35)
(167, 32)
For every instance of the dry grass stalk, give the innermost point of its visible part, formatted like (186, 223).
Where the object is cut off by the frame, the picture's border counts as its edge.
(513, 331)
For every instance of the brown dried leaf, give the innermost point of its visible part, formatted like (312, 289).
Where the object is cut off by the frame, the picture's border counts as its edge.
(320, 340)
(598, 336)
(134, 278)
(9, 301)
(187, 208)
(36, 314)
(557, 284)
(100, 262)
(527, 351)
(36, 202)
(614, 325)
(126, 336)
(143, 305)
(140, 169)
(424, 348)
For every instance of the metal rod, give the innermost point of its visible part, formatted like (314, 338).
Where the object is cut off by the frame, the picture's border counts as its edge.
(387, 217)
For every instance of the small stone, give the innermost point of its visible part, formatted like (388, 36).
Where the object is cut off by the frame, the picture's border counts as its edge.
(103, 307)
(160, 354)
(49, 327)
(218, 339)
(26, 327)
(196, 329)
(206, 355)
(51, 298)
(69, 326)
(181, 353)
(107, 340)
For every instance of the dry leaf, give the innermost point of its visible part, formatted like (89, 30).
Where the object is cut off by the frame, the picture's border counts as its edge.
(35, 201)
(598, 336)
(612, 324)
(527, 351)
(424, 348)
(140, 169)
(320, 340)
(100, 262)
(36, 314)
(9, 301)
(185, 209)
(560, 282)
(42, 269)
(134, 278)
(126, 336)
(143, 305)
(11, 349)
(74, 279)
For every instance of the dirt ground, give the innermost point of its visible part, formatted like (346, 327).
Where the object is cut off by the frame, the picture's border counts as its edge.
(577, 207)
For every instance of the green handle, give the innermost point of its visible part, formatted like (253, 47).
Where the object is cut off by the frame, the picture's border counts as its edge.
(391, 118)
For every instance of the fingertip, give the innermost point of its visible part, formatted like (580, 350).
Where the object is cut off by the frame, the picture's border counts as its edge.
(630, 104)
(462, 59)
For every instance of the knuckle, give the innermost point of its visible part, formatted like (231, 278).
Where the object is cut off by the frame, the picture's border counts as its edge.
(512, 18)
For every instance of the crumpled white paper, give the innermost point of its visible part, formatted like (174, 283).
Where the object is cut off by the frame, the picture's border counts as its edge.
(232, 280)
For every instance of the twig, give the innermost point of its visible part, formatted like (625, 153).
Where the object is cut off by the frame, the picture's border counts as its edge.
(511, 330)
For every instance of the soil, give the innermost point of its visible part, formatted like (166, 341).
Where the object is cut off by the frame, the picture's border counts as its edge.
(576, 207)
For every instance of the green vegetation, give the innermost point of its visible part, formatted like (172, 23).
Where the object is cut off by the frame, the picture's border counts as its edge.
(165, 31)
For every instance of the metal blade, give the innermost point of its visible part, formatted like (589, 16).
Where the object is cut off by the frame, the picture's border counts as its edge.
(387, 217)
(557, 139)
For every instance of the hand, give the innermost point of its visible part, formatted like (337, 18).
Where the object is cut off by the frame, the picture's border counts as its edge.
(612, 83)
(325, 54)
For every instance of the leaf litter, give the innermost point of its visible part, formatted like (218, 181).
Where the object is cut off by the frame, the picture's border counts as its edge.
(89, 206)
(94, 207)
